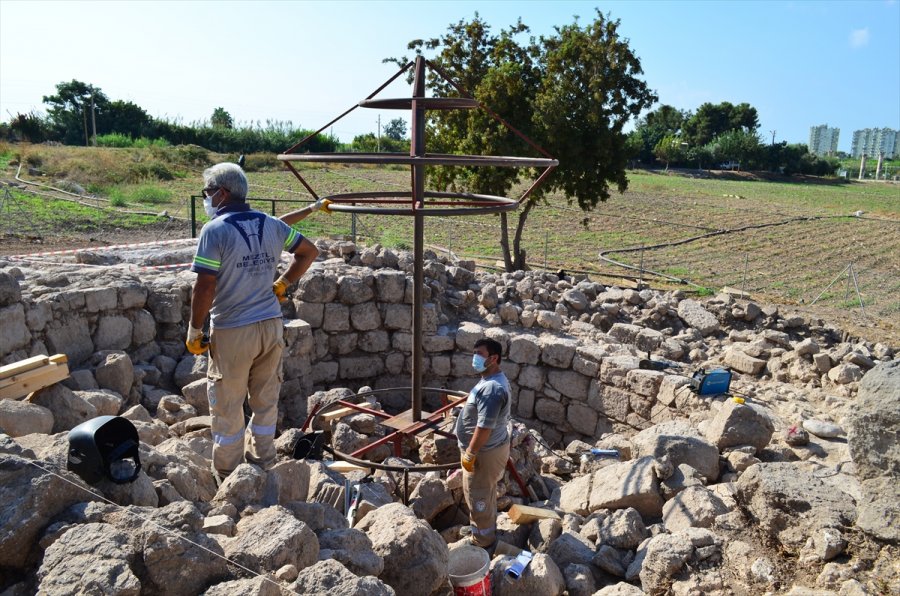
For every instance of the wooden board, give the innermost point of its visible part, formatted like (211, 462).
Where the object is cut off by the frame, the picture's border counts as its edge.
(522, 514)
(28, 378)
(344, 467)
(23, 366)
(339, 413)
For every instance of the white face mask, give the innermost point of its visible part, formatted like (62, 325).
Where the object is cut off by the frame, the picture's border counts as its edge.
(208, 206)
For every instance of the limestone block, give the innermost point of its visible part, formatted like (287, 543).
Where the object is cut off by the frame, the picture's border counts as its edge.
(740, 424)
(397, 316)
(644, 382)
(100, 299)
(696, 506)
(682, 444)
(361, 367)
(68, 409)
(670, 386)
(19, 418)
(613, 370)
(317, 286)
(549, 320)
(625, 333)
(627, 484)
(10, 292)
(843, 374)
(353, 290)
(374, 341)
(467, 335)
(14, 333)
(582, 418)
(115, 372)
(389, 285)
(271, 539)
(336, 318)
(311, 312)
(166, 308)
(582, 365)
(105, 401)
(132, 295)
(525, 403)
(557, 351)
(576, 300)
(38, 315)
(694, 315)
(609, 401)
(743, 362)
(114, 332)
(438, 343)
(143, 327)
(549, 410)
(570, 383)
(524, 349)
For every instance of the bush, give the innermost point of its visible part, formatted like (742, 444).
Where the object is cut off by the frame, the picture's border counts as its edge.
(151, 194)
(114, 139)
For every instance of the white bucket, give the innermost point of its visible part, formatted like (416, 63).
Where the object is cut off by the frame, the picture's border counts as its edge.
(469, 571)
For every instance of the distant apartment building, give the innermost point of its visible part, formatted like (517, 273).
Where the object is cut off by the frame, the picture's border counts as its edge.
(823, 140)
(872, 141)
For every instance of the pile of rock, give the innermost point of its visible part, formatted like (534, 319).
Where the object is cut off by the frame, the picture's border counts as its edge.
(708, 495)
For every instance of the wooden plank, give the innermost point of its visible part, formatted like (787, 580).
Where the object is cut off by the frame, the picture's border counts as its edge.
(522, 514)
(22, 366)
(345, 467)
(32, 380)
(339, 413)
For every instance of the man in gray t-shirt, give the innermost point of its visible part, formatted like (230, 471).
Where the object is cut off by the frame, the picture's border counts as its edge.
(236, 263)
(482, 430)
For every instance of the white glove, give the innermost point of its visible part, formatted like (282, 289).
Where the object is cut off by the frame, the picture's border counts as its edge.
(318, 205)
(194, 333)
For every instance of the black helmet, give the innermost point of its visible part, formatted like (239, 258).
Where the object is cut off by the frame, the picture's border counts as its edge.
(106, 446)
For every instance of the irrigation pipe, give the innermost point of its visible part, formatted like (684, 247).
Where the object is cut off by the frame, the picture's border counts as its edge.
(606, 259)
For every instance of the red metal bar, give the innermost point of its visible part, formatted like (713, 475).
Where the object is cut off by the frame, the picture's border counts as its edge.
(360, 408)
(302, 181)
(373, 94)
(515, 474)
(536, 183)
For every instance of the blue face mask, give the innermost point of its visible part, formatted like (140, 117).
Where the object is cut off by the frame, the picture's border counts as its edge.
(479, 363)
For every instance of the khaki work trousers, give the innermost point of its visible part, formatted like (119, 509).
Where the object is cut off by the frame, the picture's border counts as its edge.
(480, 493)
(244, 360)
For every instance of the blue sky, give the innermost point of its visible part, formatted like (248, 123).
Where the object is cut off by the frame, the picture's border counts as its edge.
(800, 63)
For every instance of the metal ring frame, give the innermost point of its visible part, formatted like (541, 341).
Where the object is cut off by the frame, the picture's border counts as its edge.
(418, 204)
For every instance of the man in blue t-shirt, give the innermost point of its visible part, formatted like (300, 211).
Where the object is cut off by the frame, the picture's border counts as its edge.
(236, 261)
(482, 430)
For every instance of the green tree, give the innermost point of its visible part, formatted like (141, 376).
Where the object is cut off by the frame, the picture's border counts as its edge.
(29, 127)
(126, 118)
(395, 129)
(666, 120)
(221, 119)
(69, 111)
(711, 120)
(738, 145)
(572, 92)
(670, 148)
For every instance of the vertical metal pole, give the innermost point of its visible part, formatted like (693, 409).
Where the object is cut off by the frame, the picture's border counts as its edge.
(417, 149)
(641, 281)
(193, 217)
(744, 279)
(273, 207)
(353, 226)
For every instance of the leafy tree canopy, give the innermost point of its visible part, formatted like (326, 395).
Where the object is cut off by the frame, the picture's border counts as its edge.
(711, 120)
(69, 110)
(221, 119)
(572, 92)
(395, 129)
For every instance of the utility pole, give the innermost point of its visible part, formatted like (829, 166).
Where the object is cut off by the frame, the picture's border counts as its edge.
(773, 136)
(94, 119)
(379, 133)
(84, 121)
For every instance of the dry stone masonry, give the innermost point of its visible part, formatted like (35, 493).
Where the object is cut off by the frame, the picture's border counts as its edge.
(794, 490)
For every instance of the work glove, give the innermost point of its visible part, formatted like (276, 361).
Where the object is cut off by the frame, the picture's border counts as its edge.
(323, 205)
(280, 287)
(468, 461)
(196, 343)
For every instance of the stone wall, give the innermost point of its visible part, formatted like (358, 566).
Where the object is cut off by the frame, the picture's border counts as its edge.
(572, 350)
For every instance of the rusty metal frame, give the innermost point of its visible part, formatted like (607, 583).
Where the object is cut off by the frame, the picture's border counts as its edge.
(419, 202)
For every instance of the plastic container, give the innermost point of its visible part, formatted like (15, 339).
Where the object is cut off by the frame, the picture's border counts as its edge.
(470, 571)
